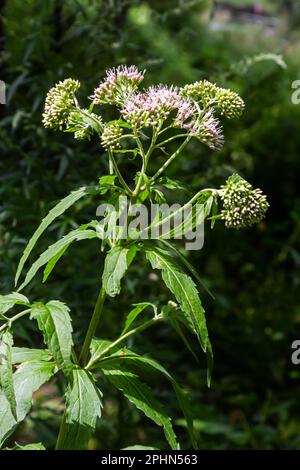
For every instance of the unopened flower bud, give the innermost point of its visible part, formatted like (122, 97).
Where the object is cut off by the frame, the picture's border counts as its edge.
(242, 205)
(59, 103)
(111, 135)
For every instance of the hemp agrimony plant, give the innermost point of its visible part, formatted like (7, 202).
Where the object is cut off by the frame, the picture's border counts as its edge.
(145, 123)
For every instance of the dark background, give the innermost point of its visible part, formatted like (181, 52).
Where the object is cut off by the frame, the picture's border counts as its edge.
(254, 274)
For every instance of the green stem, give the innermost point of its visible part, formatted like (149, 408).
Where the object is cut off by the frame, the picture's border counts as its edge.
(118, 173)
(145, 158)
(92, 327)
(13, 319)
(170, 139)
(172, 157)
(126, 335)
(165, 129)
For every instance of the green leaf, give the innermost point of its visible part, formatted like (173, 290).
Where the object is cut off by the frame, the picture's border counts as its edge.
(83, 407)
(20, 355)
(54, 250)
(27, 379)
(59, 209)
(172, 314)
(36, 446)
(190, 267)
(53, 261)
(55, 322)
(133, 314)
(6, 372)
(141, 396)
(108, 182)
(121, 123)
(186, 294)
(117, 261)
(214, 212)
(9, 300)
(185, 218)
(126, 358)
(98, 346)
(169, 183)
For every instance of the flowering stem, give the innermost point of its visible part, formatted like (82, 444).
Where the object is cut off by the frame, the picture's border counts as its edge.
(118, 173)
(144, 164)
(173, 215)
(165, 129)
(170, 139)
(172, 157)
(92, 327)
(126, 335)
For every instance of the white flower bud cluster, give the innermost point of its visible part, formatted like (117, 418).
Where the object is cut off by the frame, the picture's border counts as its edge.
(59, 103)
(111, 135)
(242, 205)
(209, 95)
(229, 103)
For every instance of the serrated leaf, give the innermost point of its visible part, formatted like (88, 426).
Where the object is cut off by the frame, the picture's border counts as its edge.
(83, 407)
(55, 322)
(9, 300)
(186, 294)
(6, 372)
(189, 266)
(141, 396)
(117, 261)
(27, 379)
(134, 313)
(126, 358)
(58, 210)
(56, 249)
(20, 355)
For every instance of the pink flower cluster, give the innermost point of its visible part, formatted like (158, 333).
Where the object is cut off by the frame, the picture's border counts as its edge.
(210, 131)
(156, 104)
(119, 83)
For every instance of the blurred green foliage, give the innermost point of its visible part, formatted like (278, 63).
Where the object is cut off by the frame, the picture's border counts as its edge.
(254, 274)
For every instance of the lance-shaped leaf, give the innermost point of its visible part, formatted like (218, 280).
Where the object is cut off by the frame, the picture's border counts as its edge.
(6, 372)
(8, 301)
(117, 261)
(58, 210)
(83, 407)
(126, 358)
(27, 379)
(185, 291)
(55, 322)
(56, 250)
(141, 396)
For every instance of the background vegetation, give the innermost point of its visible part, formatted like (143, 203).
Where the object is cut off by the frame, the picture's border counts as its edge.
(253, 274)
